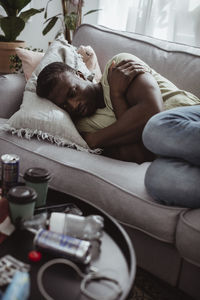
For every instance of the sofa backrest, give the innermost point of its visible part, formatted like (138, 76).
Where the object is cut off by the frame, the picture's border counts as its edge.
(177, 62)
(11, 93)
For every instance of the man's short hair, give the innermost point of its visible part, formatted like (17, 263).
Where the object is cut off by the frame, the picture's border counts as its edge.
(49, 76)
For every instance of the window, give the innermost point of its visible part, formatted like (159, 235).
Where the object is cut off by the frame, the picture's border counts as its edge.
(173, 20)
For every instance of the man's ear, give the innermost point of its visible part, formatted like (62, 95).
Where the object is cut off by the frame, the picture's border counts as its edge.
(80, 74)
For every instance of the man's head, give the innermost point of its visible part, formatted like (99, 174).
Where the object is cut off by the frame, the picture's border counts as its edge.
(67, 88)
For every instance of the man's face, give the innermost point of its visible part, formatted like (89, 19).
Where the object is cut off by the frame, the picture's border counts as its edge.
(74, 95)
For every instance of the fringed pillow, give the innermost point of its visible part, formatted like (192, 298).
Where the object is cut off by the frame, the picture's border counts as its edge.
(42, 118)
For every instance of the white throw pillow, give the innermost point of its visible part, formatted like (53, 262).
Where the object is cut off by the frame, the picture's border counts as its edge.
(42, 118)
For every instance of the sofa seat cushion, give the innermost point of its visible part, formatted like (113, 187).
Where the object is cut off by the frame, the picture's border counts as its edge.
(188, 236)
(118, 188)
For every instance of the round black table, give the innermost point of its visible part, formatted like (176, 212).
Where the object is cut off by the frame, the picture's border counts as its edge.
(116, 258)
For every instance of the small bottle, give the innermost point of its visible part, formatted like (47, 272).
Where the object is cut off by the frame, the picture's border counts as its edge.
(86, 228)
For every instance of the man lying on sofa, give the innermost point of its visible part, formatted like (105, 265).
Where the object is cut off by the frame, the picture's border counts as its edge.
(112, 114)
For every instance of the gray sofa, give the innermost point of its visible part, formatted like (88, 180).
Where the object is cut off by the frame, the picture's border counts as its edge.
(166, 239)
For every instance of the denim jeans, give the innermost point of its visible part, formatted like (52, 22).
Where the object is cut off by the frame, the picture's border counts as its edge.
(174, 177)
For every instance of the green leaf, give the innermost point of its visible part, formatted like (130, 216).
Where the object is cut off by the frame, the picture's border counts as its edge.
(12, 26)
(8, 9)
(51, 23)
(17, 4)
(46, 9)
(13, 7)
(2, 38)
(91, 12)
(52, 18)
(71, 20)
(29, 13)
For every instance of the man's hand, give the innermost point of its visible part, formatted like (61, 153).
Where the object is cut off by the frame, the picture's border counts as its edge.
(122, 74)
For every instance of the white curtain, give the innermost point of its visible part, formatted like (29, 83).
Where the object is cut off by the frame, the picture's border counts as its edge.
(173, 20)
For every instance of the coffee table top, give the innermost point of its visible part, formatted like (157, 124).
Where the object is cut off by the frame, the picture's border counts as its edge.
(116, 258)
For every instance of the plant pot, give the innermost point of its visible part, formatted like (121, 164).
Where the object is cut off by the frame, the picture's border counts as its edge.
(7, 49)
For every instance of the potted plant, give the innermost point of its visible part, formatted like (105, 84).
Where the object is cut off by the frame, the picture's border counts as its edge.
(12, 24)
(71, 17)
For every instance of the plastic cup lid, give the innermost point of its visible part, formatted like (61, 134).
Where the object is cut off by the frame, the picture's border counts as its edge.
(22, 195)
(37, 175)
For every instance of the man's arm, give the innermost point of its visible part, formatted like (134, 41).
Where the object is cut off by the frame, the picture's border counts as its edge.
(120, 77)
(133, 107)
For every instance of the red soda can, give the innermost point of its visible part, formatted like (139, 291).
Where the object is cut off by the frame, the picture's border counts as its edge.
(9, 171)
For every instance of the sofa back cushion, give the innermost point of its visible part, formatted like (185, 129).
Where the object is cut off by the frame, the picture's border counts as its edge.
(11, 93)
(177, 62)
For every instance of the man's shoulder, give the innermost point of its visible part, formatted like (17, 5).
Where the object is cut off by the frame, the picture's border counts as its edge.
(118, 58)
(124, 56)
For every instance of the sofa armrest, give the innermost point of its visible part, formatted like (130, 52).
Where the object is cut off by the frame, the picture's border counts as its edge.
(11, 93)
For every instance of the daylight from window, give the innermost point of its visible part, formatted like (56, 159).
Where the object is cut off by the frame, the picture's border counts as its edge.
(173, 20)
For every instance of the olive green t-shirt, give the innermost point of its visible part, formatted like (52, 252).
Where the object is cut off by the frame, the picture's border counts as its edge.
(103, 117)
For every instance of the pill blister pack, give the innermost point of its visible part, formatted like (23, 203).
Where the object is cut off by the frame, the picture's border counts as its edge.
(8, 266)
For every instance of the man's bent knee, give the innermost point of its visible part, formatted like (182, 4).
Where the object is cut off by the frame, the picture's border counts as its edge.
(174, 182)
(153, 133)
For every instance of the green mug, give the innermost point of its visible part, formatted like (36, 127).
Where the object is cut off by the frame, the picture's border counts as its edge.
(21, 201)
(38, 179)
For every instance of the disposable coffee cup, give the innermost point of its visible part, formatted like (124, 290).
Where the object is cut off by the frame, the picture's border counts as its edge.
(21, 201)
(38, 179)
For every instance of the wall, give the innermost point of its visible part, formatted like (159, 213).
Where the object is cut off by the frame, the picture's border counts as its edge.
(92, 18)
(32, 33)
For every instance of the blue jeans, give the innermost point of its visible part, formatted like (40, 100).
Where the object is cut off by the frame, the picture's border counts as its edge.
(174, 136)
